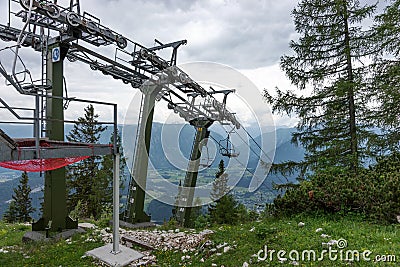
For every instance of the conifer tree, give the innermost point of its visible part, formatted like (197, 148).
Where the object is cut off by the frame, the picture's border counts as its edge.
(176, 207)
(224, 209)
(196, 209)
(386, 78)
(105, 176)
(330, 60)
(10, 216)
(22, 200)
(83, 177)
(220, 185)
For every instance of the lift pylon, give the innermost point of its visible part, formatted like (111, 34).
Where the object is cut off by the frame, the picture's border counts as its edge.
(134, 212)
(55, 199)
(185, 201)
(132, 64)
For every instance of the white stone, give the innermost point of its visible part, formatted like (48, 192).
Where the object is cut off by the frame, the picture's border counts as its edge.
(221, 245)
(87, 225)
(318, 230)
(103, 232)
(332, 242)
(206, 232)
(226, 249)
(245, 264)
(301, 224)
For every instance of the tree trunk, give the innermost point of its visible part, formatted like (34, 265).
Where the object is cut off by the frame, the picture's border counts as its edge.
(350, 93)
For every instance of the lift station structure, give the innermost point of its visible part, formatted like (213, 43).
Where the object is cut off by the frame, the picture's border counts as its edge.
(59, 33)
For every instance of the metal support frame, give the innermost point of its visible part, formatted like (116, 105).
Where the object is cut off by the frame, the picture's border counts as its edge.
(116, 161)
(134, 64)
(55, 197)
(185, 201)
(134, 212)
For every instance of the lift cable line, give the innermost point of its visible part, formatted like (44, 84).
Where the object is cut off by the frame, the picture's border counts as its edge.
(251, 148)
(226, 148)
(134, 64)
(245, 167)
(68, 30)
(261, 150)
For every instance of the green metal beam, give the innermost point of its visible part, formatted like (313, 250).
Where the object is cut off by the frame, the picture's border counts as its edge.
(55, 196)
(134, 212)
(187, 193)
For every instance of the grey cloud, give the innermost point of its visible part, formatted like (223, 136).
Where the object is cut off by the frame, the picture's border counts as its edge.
(244, 34)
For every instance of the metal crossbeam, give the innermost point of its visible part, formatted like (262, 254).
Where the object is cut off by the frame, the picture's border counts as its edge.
(133, 64)
(57, 150)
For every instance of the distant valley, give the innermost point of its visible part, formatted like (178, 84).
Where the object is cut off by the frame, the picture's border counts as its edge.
(159, 155)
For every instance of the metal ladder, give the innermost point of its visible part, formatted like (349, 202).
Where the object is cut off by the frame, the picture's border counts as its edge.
(183, 195)
(132, 185)
(43, 104)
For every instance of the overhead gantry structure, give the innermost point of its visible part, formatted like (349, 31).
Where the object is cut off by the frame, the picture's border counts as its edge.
(55, 31)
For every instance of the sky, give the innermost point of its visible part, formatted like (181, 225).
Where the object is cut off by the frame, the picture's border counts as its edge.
(249, 36)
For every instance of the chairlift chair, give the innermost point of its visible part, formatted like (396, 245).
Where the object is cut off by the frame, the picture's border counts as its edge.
(227, 149)
(206, 161)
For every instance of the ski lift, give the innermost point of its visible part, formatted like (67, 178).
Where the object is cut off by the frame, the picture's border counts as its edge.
(206, 161)
(226, 148)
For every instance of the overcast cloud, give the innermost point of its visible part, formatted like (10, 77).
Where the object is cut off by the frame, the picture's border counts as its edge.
(247, 35)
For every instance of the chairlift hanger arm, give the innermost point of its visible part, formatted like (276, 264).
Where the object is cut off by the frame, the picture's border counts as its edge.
(78, 48)
(162, 46)
(140, 71)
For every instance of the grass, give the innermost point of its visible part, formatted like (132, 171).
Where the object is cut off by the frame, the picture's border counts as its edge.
(244, 240)
(54, 253)
(285, 234)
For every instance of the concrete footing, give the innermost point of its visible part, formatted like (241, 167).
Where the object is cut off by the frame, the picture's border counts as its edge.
(41, 235)
(124, 257)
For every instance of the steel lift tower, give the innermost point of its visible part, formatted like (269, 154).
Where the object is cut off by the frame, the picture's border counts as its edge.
(54, 202)
(59, 30)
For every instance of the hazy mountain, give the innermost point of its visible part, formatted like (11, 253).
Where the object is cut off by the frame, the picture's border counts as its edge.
(165, 147)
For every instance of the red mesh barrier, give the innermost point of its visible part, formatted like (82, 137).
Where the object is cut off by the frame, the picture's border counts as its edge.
(40, 165)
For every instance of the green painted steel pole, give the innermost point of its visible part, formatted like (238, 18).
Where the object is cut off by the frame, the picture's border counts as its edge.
(187, 193)
(134, 212)
(55, 212)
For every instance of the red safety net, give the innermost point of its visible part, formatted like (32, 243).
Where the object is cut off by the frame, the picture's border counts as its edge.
(40, 165)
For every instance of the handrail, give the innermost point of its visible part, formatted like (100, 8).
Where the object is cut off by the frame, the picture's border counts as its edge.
(21, 39)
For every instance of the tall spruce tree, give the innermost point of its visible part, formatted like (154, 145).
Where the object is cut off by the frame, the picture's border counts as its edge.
(224, 209)
(83, 177)
(10, 216)
(176, 207)
(105, 177)
(22, 199)
(330, 61)
(220, 185)
(387, 77)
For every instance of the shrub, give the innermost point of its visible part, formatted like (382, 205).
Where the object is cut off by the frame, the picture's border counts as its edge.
(374, 192)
